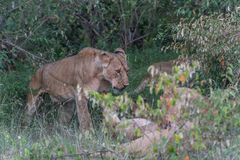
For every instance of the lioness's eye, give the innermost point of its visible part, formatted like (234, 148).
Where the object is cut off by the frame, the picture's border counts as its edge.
(118, 71)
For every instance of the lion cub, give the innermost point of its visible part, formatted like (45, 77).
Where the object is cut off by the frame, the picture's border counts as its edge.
(153, 72)
(156, 69)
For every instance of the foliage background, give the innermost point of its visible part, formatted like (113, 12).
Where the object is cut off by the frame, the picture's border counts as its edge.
(35, 32)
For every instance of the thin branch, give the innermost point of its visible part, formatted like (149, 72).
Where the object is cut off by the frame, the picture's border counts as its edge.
(38, 26)
(16, 8)
(7, 14)
(136, 39)
(138, 19)
(23, 50)
(89, 25)
(121, 12)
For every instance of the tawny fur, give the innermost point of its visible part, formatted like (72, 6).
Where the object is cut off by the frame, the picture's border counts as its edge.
(156, 69)
(153, 71)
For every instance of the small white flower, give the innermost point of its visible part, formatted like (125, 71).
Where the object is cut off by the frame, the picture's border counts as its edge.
(19, 137)
(181, 135)
(228, 143)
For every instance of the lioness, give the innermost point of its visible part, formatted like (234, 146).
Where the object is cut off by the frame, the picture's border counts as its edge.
(72, 77)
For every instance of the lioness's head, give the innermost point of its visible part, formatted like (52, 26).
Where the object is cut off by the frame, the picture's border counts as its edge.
(115, 69)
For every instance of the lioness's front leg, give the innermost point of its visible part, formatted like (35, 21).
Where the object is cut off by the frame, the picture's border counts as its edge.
(83, 114)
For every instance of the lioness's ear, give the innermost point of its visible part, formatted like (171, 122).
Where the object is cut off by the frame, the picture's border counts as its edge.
(121, 53)
(119, 50)
(104, 59)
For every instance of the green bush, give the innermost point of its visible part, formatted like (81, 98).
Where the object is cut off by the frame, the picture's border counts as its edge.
(216, 118)
(193, 8)
(13, 93)
(54, 29)
(214, 41)
(43, 31)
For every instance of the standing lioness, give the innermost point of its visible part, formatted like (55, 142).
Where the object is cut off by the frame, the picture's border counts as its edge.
(72, 77)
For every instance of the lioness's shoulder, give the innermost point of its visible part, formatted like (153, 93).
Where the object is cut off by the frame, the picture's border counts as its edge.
(89, 52)
(88, 49)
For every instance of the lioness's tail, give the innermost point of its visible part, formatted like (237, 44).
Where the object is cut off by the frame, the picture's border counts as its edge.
(36, 80)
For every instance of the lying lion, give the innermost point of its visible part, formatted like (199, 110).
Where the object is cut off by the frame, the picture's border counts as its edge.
(151, 133)
(74, 77)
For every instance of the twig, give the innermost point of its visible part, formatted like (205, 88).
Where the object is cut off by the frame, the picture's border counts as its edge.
(38, 26)
(138, 20)
(23, 50)
(121, 12)
(8, 13)
(17, 7)
(136, 39)
(89, 24)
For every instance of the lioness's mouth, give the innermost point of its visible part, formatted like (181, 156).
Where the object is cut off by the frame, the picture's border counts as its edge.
(116, 91)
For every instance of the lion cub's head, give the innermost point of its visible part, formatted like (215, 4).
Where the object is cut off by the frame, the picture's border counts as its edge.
(115, 69)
